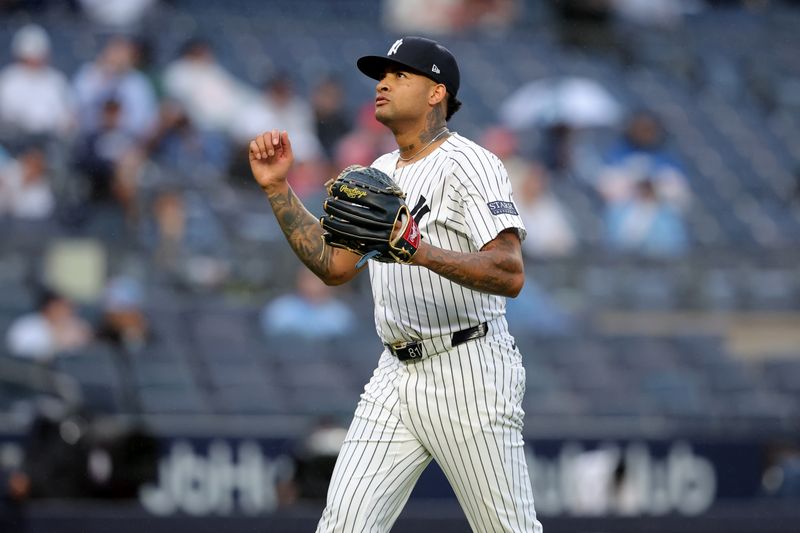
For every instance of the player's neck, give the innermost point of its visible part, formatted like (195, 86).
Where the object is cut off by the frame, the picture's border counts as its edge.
(419, 142)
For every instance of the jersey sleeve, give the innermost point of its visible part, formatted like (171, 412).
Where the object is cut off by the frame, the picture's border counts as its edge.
(487, 199)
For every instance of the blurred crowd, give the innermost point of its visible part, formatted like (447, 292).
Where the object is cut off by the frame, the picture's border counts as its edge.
(121, 151)
(140, 151)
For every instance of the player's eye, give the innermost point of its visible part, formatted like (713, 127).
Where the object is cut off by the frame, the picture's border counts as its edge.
(401, 75)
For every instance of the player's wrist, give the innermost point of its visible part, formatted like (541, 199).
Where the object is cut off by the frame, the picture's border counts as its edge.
(420, 257)
(275, 187)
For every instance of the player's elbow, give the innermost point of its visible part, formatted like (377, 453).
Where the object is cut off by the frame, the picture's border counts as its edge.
(514, 274)
(333, 281)
(516, 282)
(334, 278)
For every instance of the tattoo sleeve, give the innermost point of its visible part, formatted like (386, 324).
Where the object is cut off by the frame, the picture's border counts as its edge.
(497, 269)
(302, 231)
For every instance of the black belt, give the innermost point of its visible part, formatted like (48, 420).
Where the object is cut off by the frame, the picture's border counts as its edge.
(408, 351)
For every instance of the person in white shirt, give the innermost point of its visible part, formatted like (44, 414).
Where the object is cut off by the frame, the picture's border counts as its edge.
(550, 232)
(25, 191)
(35, 98)
(53, 328)
(279, 104)
(211, 95)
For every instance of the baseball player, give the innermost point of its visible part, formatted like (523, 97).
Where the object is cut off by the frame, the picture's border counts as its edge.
(450, 381)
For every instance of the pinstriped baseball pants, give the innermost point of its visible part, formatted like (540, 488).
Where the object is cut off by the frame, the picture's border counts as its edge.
(461, 408)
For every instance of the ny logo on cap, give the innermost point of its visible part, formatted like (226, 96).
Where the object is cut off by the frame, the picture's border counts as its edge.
(395, 46)
(436, 69)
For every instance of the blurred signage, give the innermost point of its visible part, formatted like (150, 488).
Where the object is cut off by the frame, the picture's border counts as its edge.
(629, 479)
(220, 478)
(230, 476)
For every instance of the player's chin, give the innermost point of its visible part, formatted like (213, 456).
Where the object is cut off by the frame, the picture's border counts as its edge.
(383, 115)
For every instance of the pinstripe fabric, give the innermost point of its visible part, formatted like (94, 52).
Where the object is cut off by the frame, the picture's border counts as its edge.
(462, 407)
(456, 181)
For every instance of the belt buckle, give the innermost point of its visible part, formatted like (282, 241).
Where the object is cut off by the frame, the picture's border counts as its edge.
(408, 350)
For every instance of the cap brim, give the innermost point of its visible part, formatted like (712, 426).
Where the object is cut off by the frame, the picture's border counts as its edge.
(375, 66)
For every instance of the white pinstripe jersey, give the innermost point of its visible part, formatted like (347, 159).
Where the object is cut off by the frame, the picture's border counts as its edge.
(461, 197)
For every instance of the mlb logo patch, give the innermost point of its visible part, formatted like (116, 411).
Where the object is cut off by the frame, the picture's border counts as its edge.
(502, 208)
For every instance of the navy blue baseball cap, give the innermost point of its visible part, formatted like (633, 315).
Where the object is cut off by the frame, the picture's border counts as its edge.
(421, 55)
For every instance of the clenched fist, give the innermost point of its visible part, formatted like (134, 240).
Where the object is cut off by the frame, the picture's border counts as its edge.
(270, 159)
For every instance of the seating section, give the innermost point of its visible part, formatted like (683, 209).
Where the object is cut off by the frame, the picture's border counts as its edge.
(734, 120)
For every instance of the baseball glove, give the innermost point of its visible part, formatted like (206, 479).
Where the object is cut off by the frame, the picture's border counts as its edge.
(365, 213)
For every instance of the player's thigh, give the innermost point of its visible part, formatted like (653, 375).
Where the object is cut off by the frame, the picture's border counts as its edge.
(492, 483)
(378, 465)
(482, 452)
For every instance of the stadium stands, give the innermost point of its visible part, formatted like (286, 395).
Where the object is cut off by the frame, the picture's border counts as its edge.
(739, 152)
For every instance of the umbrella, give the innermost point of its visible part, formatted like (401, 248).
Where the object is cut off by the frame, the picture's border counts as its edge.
(577, 102)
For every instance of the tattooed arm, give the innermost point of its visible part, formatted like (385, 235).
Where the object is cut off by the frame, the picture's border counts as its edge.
(496, 269)
(270, 159)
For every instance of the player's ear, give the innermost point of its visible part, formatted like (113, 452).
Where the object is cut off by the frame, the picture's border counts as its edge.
(438, 93)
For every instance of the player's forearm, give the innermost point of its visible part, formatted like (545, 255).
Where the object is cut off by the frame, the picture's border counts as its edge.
(495, 270)
(302, 231)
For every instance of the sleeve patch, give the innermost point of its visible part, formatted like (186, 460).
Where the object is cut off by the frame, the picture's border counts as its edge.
(502, 208)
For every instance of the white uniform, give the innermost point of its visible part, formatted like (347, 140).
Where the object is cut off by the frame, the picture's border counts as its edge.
(458, 405)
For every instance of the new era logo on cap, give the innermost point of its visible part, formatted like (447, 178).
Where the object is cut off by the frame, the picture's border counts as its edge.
(418, 54)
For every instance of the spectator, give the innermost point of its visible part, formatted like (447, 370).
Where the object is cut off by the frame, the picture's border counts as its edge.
(641, 154)
(504, 143)
(534, 310)
(489, 15)
(448, 16)
(646, 224)
(332, 117)
(420, 16)
(550, 232)
(145, 62)
(125, 328)
(124, 324)
(113, 76)
(310, 311)
(557, 147)
(184, 149)
(35, 98)
(211, 95)
(100, 154)
(25, 191)
(53, 328)
(283, 108)
(15, 489)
